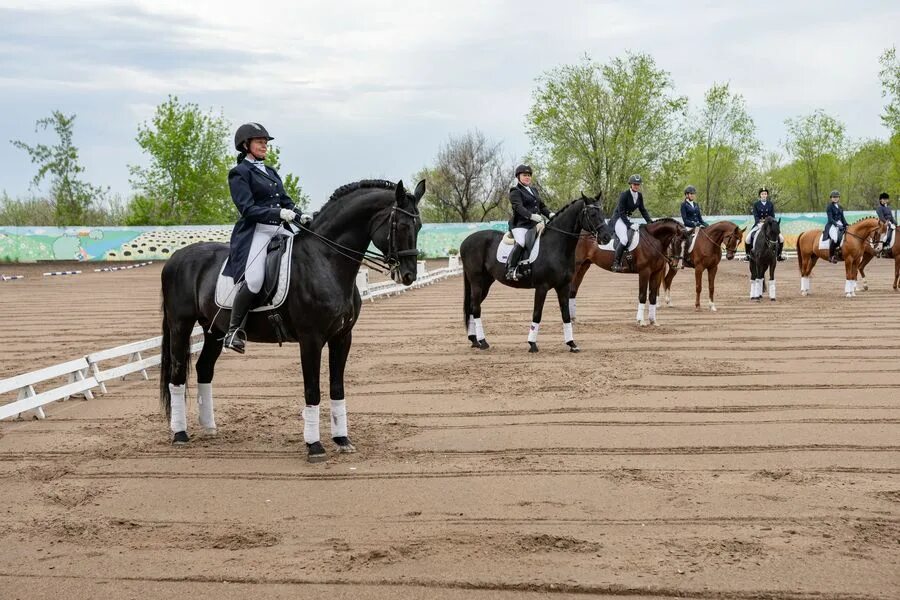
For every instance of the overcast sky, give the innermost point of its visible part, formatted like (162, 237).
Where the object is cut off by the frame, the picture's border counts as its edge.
(371, 89)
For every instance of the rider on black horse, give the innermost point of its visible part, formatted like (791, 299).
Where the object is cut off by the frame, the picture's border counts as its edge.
(528, 213)
(263, 204)
(885, 215)
(762, 208)
(836, 225)
(691, 218)
(629, 201)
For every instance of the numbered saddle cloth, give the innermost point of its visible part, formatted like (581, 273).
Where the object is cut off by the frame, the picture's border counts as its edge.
(277, 281)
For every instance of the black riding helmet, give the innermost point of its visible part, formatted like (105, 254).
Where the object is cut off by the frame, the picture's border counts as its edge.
(761, 190)
(523, 169)
(247, 132)
(835, 194)
(635, 179)
(884, 196)
(690, 190)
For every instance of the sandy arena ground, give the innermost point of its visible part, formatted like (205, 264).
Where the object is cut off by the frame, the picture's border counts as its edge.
(752, 453)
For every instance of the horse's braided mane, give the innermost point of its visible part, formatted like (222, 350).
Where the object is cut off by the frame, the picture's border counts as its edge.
(348, 188)
(666, 220)
(860, 220)
(558, 212)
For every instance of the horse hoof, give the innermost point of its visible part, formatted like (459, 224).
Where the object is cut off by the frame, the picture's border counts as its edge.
(210, 432)
(483, 345)
(772, 299)
(474, 341)
(532, 347)
(712, 308)
(343, 445)
(180, 439)
(654, 323)
(315, 453)
(642, 323)
(573, 347)
(804, 293)
(848, 295)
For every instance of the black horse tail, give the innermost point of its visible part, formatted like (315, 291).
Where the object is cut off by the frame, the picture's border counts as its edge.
(165, 365)
(467, 300)
(799, 255)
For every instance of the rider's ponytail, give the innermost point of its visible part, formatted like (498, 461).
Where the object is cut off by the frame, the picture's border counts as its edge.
(241, 157)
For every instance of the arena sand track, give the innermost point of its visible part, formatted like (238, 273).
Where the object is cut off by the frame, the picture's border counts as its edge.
(752, 453)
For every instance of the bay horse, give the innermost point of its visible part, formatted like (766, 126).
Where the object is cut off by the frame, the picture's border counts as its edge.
(706, 256)
(659, 245)
(763, 257)
(321, 307)
(856, 239)
(552, 269)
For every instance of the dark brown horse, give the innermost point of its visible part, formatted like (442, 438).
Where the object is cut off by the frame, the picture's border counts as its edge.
(706, 256)
(890, 252)
(659, 245)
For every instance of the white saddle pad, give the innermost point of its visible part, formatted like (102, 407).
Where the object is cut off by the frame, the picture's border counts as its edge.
(225, 284)
(610, 246)
(504, 249)
(694, 239)
(890, 227)
(826, 243)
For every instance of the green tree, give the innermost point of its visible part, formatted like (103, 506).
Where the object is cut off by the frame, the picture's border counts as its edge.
(816, 141)
(597, 124)
(70, 196)
(890, 89)
(723, 149)
(291, 181)
(469, 181)
(186, 181)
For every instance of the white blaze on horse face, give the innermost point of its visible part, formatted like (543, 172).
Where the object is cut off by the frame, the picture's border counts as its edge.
(178, 419)
(338, 418)
(479, 330)
(533, 332)
(568, 335)
(311, 424)
(206, 407)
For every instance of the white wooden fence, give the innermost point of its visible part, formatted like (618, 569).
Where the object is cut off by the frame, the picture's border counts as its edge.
(83, 375)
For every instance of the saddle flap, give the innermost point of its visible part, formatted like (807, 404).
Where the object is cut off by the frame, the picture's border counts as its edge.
(276, 283)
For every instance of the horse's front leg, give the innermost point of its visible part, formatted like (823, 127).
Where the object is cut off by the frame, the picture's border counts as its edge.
(562, 294)
(338, 350)
(643, 279)
(540, 295)
(698, 286)
(850, 282)
(772, 280)
(711, 273)
(862, 269)
(206, 363)
(580, 272)
(655, 281)
(667, 284)
(311, 361)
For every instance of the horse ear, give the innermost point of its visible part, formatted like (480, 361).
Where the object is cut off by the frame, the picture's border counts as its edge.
(598, 197)
(583, 197)
(400, 192)
(420, 191)
(779, 220)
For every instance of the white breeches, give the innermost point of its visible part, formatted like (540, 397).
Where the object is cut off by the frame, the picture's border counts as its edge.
(751, 235)
(519, 234)
(833, 232)
(621, 231)
(255, 271)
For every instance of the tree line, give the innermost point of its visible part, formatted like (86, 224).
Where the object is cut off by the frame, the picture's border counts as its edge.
(186, 181)
(592, 125)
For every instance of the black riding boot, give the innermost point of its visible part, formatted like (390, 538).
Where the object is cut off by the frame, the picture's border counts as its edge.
(831, 249)
(780, 251)
(234, 339)
(513, 263)
(617, 262)
(686, 259)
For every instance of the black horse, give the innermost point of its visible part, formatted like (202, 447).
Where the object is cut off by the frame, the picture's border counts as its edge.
(552, 269)
(764, 255)
(321, 307)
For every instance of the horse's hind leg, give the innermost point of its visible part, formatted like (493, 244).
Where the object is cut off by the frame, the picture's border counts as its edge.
(698, 286)
(866, 259)
(206, 364)
(896, 269)
(655, 281)
(772, 280)
(477, 294)
(338, 350)
(311, 362)
(643, 279)
(667, 283)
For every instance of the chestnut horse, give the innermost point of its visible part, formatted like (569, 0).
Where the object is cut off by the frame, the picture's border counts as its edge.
(659, 245)
(856, 239)
(706, 256)
(893, 251)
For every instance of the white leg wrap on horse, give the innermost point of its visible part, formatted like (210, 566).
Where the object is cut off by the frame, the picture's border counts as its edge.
(752, 288)
(471, 325)
(311, 424)
(205, 406)
(848, 286)
(652, 312)
(772, 289)
(338, 418)
(568, 334)
(640, 311)
(804, 284)
(479, 330)
(178, 420)
(533, 332)
(572, 308)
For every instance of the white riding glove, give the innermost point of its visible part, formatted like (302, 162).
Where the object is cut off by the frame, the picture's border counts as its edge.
(288, 215)
(305, 219)
(540, 227)
(537, 218)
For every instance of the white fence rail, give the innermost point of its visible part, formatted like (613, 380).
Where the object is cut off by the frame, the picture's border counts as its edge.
(85, 374)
